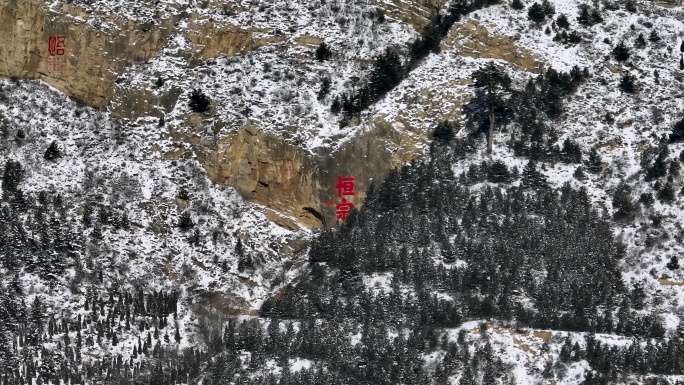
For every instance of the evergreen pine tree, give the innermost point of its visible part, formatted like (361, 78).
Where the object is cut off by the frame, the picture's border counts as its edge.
(677, 134)
(630, 6)
(185, 222)
(12, 176)
(675, 167)
(622, 201)
(654, 37)
(673, 264)
(125, 222)
(444, 132)
(646, 199)
(621, 52)
(20, 201)
(325, 89)
(579, 173)
(640, 41)
(52, 152)
(518, 5)
(594, 163)
(583, 17)
(498, 172)
(562, 21)
(571, 153)
(323, 52)
(548, 8)
(385, 75)
(536, 13)
(589, 16)
(666, 194)
(659, 167)
(245, 262)
(595, 16)
(532, 178)
(493, 82)
(628, 84)
(199, 102)
(336, 106)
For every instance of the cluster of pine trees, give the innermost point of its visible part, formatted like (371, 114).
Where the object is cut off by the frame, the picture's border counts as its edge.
(40, 235)
(38, 344)
(450, 254)
(535, 106)
(389, 69)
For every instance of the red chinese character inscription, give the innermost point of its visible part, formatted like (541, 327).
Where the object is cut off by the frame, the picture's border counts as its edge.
(344, 187)
(57, 45)
(342, 209)
(56, 49)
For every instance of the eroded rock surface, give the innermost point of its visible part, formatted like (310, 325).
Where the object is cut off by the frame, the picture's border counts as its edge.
(292, 182)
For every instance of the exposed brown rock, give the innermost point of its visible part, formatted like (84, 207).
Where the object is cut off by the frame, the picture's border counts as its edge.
(418, 13)
(94, 57)
(211, 39)
(472, 39)
(290, 182)
(309, 40)
(229, 304)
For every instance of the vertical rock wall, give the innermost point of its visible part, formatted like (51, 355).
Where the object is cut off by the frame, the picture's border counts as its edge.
(97, 49)
(291, 183)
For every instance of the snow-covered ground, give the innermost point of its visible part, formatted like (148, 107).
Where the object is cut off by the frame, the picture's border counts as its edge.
(641, 120)
(109, 165)
(277, 86)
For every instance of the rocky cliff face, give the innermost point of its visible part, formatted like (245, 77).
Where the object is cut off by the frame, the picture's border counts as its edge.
(418, 13)
(293, 183)
(290, 180)
(98, 48)
(472, 39)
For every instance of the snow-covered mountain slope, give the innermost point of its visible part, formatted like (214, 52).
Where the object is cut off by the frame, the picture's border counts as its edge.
(256, 62)
(637, 121)
(277, 86)
(106, 167)
(149, 156)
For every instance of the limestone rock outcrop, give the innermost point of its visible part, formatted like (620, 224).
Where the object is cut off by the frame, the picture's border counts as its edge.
(96, 51)
(291, 182)
(211, 40)
(472, 39)
(418, 13)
